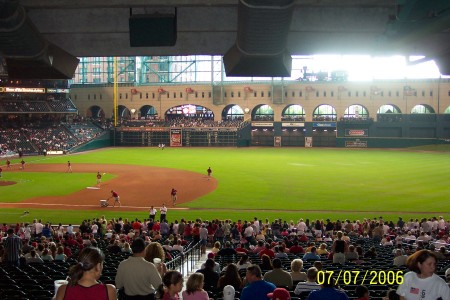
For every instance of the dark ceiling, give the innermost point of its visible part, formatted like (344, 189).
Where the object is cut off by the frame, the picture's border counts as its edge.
(253, 28)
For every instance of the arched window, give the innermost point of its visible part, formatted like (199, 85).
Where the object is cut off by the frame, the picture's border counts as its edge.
(389, 113)
(356, 111)
(388, 109)
(324, 112)
(96, 112)
(233, 112)
(293, 113)
(148, 112)
(422, 109)
(263, 113)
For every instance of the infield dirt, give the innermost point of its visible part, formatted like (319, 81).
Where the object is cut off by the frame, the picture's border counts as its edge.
(137, 186)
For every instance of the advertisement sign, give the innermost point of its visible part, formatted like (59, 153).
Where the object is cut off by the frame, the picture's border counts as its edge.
(308, 142)
(23, 90)
(175, 137)
(208, 129)
(254, 124)
(55, 152)
(324, 124)
(356, 132)
(140, 129)
(293, 124)
(277, 141)
(356, 144)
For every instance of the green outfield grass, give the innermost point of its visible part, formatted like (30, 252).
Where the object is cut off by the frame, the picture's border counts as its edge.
(286, 183)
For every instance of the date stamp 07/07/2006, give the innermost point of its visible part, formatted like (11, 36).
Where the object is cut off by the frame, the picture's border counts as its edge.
(354, 277)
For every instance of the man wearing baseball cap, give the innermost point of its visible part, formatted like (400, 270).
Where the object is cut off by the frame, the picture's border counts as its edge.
(279, 294)
(228, 292)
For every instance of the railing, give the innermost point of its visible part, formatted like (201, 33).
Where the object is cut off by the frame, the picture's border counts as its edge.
(186, 261)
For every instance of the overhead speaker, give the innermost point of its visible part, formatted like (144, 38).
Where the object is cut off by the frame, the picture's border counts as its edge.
(260, 48)
(443, 63)
(28, 55)
(153, 30)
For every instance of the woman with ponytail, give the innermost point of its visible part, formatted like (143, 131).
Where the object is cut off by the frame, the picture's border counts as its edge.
(83, 278)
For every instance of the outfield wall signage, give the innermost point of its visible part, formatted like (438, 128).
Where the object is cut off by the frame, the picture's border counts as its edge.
(175, 137)
(293, 124)
(58, 91)
(356, 132)
(55, 152)
(209, 129)
(140, 129)
(324, 124)
(266, 124)
(23, 90)
(356, 144)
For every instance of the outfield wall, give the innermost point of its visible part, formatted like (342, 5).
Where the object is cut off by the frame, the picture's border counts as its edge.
(174, 137)
(404, 131)
(101, 141)
(386, 142)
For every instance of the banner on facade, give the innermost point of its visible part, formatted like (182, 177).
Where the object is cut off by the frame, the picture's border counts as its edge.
(356, 144)
(262, 124)
(356, 132)
(141, 129)
(324, 124)
(175, 137)
(22, 90)
(293, 124)
(277, 141)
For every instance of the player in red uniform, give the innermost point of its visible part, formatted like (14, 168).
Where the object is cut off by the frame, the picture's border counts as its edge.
(209, 171)
(116, 198)
(99, 179)
(173, 194)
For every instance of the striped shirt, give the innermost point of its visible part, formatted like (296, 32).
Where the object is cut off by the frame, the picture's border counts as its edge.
(307, 286)
(13, 246)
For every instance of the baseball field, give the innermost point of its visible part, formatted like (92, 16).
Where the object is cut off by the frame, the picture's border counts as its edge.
(286, 183)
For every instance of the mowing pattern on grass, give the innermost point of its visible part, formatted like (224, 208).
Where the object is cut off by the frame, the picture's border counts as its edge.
(285, 182)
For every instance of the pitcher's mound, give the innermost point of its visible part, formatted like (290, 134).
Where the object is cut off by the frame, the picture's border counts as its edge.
(5, 183)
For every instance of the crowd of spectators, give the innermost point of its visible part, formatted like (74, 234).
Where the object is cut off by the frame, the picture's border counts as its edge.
(36, 103)
(11, 140)
(182, 122)
(60, 103)
(354, 119)
(84, 131)
(299, 118)
(24, 106)
(327, 118)
(36, 136)
(283, 253)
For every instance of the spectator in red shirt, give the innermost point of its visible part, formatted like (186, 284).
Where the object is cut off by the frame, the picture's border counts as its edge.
(241, 249)
(269, 252)
(137, 226)
(296, 248)
(303, 238)
(67, 251)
